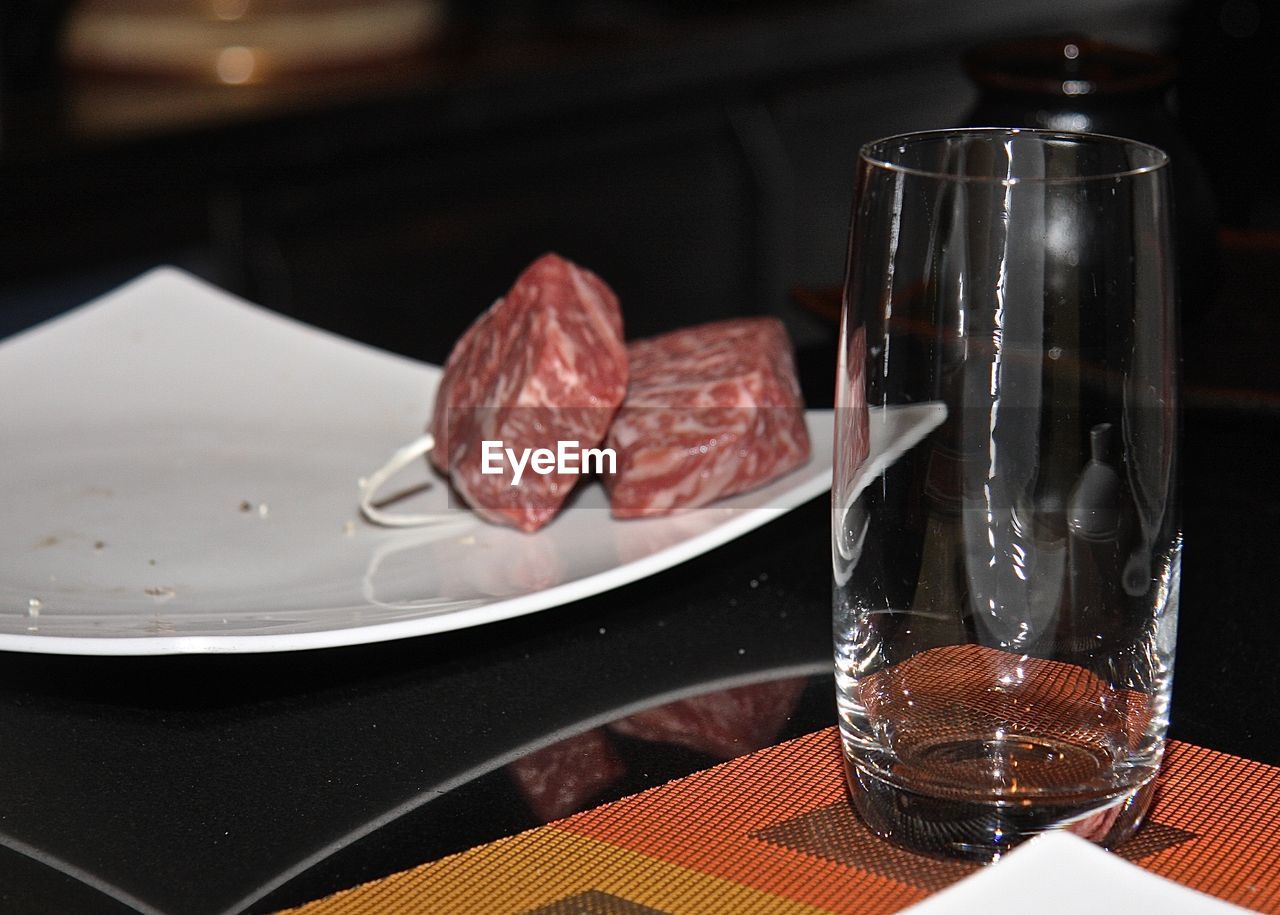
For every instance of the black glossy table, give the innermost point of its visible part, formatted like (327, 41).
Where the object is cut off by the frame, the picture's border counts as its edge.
(210, 784)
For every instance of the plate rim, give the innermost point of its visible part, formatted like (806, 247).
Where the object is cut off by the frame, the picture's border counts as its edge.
(743, 522)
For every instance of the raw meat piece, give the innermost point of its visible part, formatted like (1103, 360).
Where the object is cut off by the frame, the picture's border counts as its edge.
(711, 411)
(546, 363)
(725, 724)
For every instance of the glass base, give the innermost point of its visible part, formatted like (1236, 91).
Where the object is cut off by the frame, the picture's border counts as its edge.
(984, 829)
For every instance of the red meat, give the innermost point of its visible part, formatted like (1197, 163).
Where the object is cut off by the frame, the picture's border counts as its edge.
(546, 363)
(711, 411)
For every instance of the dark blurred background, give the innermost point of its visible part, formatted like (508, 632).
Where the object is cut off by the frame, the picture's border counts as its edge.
(383, 168)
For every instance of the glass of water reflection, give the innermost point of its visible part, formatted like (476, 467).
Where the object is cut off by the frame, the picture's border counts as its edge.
(1006, 578)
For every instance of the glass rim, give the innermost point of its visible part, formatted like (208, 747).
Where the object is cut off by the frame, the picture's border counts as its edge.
(873, 154)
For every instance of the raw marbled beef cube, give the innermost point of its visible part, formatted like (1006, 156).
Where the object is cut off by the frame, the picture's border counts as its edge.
(546, 363)
(711, 411)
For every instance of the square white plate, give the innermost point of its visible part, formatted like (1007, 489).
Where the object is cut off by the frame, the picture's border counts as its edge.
(1062, 874)
(180, 473)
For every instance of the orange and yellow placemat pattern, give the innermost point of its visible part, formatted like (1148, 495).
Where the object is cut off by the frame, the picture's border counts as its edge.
(772, 832)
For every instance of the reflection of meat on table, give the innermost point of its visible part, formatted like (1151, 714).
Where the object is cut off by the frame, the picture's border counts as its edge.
(724, 724)
(566, 776)
(560, 779)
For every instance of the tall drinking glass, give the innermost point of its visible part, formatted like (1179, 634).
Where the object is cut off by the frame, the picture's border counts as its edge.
(1006, 577)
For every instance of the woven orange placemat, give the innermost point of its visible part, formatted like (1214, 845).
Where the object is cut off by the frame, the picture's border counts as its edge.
(772, 832)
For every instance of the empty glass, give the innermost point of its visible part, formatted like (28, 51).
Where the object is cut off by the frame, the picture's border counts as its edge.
(1006, 590)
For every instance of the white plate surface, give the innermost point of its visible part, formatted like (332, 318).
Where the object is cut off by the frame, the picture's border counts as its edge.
(134, 430)
(1062, 874)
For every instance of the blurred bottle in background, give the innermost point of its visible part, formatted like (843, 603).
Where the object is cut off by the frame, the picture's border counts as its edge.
(1075, 83)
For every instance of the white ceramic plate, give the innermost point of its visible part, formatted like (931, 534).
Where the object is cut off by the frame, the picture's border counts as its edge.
(180, 473)
(1061, 874)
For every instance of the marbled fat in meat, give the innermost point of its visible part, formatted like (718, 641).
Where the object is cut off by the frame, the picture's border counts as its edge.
(546, 363)
(711, 411)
